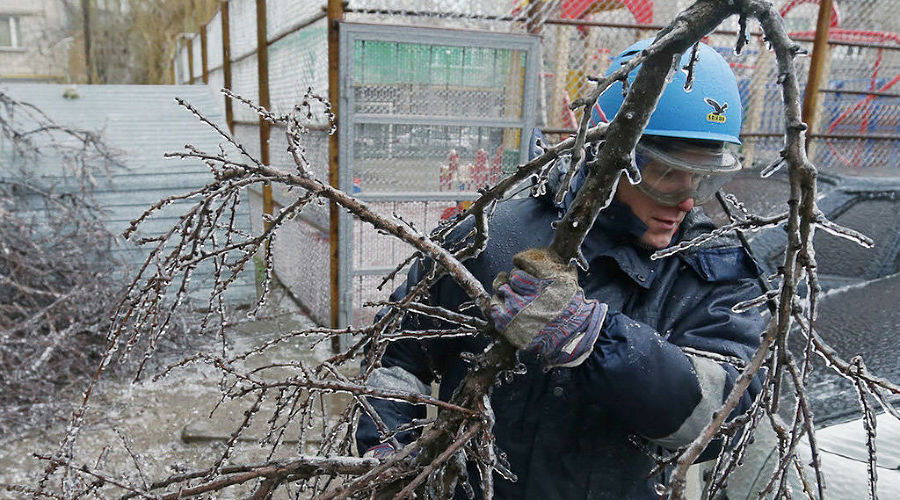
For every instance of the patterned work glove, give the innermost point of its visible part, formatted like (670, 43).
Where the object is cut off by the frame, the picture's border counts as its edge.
(539, 307)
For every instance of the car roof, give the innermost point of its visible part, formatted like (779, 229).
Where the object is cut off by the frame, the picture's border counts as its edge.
(869, 205)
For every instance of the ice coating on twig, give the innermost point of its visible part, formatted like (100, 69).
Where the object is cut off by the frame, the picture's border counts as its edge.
(771, 168)
(741, 307)
(750, 223)
(844, 232)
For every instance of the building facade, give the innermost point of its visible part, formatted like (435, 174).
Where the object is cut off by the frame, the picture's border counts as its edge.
(35, 44)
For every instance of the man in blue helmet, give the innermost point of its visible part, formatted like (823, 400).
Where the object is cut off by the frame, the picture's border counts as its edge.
(615, 355)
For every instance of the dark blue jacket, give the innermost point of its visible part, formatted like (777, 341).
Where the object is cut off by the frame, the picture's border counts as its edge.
(584, 432)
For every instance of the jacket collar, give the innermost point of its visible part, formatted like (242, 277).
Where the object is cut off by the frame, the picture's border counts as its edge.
(614, 235)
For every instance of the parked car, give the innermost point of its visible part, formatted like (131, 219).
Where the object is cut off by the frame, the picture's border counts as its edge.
(858, 314)
(868, 205)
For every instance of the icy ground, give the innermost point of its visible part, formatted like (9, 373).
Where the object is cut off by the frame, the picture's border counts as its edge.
(166, 424)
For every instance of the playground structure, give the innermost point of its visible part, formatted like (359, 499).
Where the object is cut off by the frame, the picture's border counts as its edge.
(856, 126)
(435, 120)
(474, 175)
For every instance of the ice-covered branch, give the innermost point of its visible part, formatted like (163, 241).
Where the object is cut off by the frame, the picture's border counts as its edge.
(802, 216)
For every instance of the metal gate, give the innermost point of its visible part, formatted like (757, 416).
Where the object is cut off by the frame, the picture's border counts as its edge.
(427, 116)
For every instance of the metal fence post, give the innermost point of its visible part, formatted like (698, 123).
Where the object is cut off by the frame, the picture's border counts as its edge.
(204, 66)
(226, 65)
(816, 68)
(335, 14)
(262, 73)
(86, 27)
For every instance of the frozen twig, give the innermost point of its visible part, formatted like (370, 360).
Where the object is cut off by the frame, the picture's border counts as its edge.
(433, 465)
(304, 466)
(869, 426)
(749, 223)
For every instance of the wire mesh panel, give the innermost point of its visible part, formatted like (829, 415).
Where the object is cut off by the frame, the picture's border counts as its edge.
(197, 67)
(214, 42)
(214, 58)
(182, 73)
(216, 83)
(245, 83)
(315, 145)
(430, 116)
(503, 15)
(244, 76)
(286, 15)
(248, 136)
(429, 79)
(242, 27)
(857, 126)
(302, 251)
(305, 273)
(440, 8)
(297, 62)
(412, 158)
(374, 252)
(301, 258)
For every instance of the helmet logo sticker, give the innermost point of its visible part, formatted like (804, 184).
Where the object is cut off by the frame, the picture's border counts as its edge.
(718, 114)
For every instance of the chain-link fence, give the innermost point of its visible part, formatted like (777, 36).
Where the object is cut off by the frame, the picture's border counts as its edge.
(215, 61)
(855, 127)
(430, 116)
(858, 124)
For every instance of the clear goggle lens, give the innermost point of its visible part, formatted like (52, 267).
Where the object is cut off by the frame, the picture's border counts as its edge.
(672, 175)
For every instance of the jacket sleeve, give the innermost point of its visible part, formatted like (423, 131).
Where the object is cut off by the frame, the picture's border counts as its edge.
(415, 362)
(648, 383)
(410, 365)
(404, 367)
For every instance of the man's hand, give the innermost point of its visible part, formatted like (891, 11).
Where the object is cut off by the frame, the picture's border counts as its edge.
(540, 307)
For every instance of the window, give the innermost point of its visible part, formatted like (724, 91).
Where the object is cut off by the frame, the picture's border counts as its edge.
(9, 32)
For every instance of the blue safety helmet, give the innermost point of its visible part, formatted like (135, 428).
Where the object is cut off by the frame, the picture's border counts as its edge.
(709, 111)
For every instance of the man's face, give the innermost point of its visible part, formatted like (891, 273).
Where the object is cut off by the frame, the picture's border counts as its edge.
(662, 221)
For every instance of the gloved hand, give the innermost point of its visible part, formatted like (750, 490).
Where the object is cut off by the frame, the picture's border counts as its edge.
(539, 307)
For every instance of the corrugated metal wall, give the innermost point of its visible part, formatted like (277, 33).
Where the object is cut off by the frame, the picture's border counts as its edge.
(140, 123)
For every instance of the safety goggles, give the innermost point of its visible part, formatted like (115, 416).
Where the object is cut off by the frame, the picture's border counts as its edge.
(673, 171)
